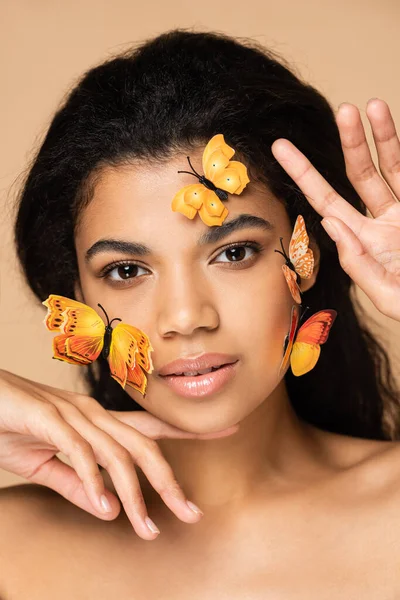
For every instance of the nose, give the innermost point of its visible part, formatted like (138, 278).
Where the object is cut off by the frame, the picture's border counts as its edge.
(186, 304)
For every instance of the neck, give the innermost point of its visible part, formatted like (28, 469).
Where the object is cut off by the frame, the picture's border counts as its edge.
(272, 447)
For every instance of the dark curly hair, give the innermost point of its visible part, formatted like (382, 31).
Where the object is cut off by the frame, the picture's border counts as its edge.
(172, 93)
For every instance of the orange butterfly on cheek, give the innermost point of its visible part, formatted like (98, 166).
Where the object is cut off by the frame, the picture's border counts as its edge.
(300, 262)
(221, 175)
(304, 349)
(84, 336)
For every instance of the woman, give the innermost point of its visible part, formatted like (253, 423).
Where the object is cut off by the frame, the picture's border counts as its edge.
(297, 477)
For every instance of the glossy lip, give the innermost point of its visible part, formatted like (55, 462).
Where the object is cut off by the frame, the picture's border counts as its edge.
(199, 386)
(204, 361)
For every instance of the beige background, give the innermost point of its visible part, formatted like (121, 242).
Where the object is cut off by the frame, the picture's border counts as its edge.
(349, 50)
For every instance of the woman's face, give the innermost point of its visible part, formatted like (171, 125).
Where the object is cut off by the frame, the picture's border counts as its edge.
(191, 298)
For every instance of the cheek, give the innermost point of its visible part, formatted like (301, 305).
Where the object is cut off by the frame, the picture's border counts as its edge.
(262, 321)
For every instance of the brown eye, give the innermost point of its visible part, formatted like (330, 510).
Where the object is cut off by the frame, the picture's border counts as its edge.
(126, 271)
(237, 253)
(119, 272)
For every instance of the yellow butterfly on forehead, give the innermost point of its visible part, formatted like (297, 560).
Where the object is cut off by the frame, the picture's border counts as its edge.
(221, 175)
(84, 336)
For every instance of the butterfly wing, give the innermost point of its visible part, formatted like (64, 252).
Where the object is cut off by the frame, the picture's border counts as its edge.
(306, 348)
(316, 329)
(122, 353)
(233, 179)
(143, 363)
(61, 352)
(218, 147)
(56, 305)
(294, 320)
(301, 256)
(84, 346)
(212, 211)
(226, 174)
(82, 330)
(291, 280)
(189, 199)
(304, 357)
(137, 379)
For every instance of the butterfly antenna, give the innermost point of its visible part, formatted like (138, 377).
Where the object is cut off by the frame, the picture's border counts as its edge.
(279, 252)
(108, 320)
(283, 249)
(191, 166)
(115, 319)
(189, 173)
(305, 310)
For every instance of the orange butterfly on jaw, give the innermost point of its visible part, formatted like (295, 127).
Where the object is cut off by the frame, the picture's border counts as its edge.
(300, 262)
(221, 175)
(303, 349)
(84, 336)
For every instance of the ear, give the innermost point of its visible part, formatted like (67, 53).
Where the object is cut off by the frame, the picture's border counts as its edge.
(78, 292)
(306, 284)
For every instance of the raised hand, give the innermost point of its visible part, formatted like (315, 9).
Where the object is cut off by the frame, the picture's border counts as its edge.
(368, 248)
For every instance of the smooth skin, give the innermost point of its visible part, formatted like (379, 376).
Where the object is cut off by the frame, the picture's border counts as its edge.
(290, 511)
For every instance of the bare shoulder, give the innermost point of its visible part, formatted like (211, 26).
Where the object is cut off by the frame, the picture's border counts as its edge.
(40, 533)
(27, 504)
(29, 515)
(374, 465)
(32, 512)
(27, 512)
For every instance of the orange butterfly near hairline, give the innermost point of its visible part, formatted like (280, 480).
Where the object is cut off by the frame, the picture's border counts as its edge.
(300, 262)
(303, 349)
(84, 336)
(221, 175)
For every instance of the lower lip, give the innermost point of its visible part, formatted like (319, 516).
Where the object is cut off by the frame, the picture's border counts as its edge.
(201, 385)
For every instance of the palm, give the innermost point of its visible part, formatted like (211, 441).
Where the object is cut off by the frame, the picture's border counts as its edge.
(24, 454)
(369, 248)
(381, 238)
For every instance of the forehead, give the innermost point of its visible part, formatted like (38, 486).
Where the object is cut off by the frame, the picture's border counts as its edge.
(134, 202)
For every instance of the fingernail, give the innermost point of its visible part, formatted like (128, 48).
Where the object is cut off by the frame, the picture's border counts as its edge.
(194, 508)
(331, 229)
(151, 525)
(370, 100)
(105, 504)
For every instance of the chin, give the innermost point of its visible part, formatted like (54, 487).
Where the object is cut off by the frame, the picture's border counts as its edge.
(210, 413)
(195, 418)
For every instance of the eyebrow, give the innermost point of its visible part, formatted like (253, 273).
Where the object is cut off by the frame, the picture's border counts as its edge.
(211, 236)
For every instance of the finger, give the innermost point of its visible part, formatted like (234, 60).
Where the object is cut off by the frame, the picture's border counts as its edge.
(116, 459)
(154, 428)
(63, 479)
(322, 197)
(147, 454)
(360, 168)
(47, 425)
(87, 447)
(84, 481)
(386, 141)
(146, 423)
(366, 272)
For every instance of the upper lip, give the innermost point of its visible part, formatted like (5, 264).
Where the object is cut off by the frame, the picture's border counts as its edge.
(205, 361)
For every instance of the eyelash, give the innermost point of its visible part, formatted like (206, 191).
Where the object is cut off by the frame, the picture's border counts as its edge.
(257, 247)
